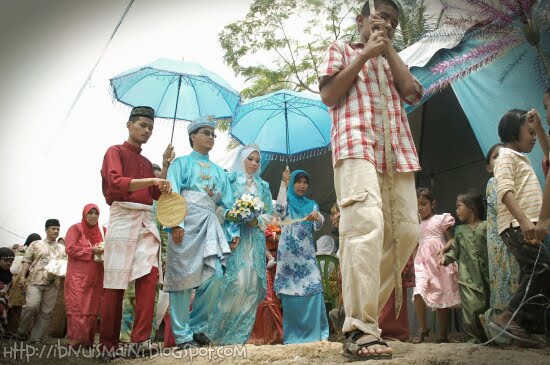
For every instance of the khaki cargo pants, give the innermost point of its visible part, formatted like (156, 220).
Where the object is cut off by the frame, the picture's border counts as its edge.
(366, 253)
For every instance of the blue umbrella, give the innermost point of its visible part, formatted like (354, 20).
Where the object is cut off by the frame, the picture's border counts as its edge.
(285, 124)
(176, 90)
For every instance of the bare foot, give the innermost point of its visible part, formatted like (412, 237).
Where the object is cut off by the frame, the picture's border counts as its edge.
(374, 349)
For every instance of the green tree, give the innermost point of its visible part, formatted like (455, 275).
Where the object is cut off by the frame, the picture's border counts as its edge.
(414, 23)
(223, 124)
(294, 35)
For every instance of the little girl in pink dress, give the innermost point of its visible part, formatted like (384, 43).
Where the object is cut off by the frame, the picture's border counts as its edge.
(436, 286)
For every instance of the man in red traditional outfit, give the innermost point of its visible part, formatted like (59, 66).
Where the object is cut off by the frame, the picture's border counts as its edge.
(132, 241)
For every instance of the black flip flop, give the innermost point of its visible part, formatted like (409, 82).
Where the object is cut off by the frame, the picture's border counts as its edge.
(201, 338)
(352, 348)
(188, 345)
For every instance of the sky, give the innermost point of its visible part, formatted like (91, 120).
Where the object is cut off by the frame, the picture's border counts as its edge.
(48, 47)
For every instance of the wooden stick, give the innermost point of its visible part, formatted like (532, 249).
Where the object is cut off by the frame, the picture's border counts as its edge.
(290, 221)
(383, 87)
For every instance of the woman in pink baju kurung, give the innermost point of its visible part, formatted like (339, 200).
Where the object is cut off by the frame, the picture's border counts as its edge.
(84, 280)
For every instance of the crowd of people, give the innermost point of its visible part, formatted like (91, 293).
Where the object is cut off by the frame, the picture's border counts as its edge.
(212, 279)
(214, 270)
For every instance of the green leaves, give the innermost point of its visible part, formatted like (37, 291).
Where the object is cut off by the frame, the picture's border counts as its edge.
(293, 36)
(414, 22)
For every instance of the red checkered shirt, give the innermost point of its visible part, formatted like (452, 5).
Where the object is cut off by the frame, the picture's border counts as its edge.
(357, 123)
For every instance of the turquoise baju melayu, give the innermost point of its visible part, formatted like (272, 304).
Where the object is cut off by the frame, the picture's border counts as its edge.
(298, 280)
(197, 261)
(244, 284)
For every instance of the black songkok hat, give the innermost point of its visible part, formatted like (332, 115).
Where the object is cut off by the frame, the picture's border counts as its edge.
(143, 111)
(52, 223)
(6, 253)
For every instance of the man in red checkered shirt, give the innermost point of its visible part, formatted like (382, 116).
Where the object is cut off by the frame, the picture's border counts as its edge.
(349, 86)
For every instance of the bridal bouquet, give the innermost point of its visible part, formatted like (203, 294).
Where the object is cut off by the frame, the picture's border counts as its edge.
(246, 209)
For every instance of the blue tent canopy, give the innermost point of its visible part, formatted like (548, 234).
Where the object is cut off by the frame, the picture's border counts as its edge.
(485, 99)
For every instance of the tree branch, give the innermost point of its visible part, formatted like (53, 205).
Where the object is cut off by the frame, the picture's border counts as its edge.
(333, 17)
(313, 61)
(341, 20)
(262, 91)
(293, 66)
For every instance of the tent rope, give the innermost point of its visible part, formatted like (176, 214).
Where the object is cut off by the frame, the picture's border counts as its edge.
(13, 233)
(89, 77)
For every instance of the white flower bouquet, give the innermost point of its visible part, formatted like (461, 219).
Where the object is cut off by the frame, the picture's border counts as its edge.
(246, 209)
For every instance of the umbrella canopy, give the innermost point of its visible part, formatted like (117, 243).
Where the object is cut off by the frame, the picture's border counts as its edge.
(321, 177)
(285, 124)
(176, 90)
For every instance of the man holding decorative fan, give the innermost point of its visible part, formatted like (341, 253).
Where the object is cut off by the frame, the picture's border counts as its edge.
(197, 246)
(132, 241)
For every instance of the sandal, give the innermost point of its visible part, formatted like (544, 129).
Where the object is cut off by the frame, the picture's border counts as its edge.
(201, 338)
(352, 348)
(188, 345)
(421, 337)
(513, 331)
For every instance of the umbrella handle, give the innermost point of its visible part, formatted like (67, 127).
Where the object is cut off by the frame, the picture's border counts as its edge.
(172, 135)
(176, 110)
(283, 179)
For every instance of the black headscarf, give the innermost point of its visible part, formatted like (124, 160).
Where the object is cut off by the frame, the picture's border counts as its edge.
(6, 275)
(32, 237)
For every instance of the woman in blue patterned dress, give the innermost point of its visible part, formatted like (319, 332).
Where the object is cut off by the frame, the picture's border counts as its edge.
(298, 280)
(244, 283)
(503, 266)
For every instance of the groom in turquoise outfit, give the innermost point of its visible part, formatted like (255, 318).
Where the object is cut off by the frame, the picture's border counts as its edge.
(198, 247)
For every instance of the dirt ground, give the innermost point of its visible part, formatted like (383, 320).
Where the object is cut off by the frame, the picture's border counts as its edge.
(313, 353)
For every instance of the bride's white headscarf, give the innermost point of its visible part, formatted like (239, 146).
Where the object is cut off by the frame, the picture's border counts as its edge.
(238, 163)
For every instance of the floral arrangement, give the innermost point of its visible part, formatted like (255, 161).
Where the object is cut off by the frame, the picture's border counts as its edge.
(246, 209)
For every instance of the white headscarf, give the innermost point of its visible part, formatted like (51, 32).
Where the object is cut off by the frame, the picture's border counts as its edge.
(238, 163)
(325, 245)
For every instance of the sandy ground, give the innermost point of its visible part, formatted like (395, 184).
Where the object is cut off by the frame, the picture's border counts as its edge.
(314, 353)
